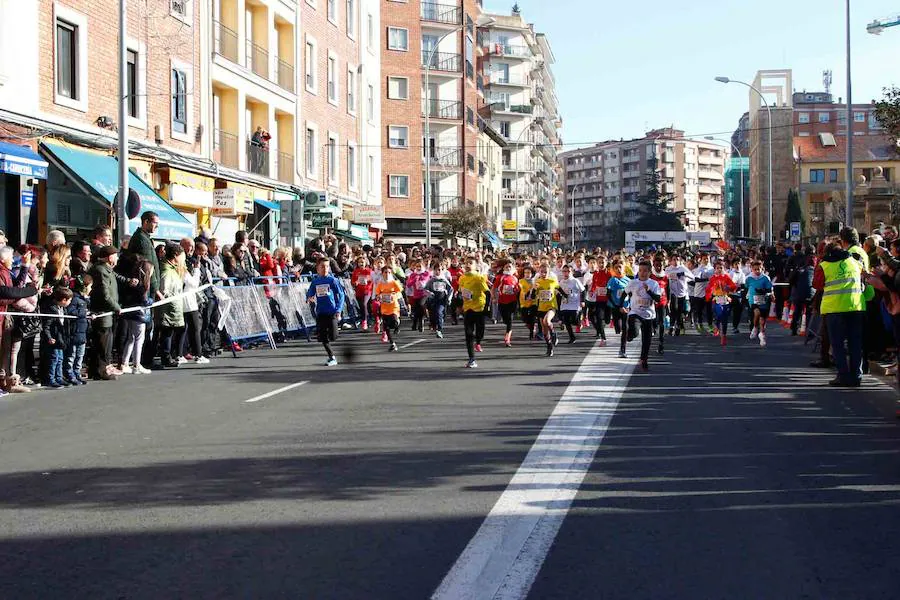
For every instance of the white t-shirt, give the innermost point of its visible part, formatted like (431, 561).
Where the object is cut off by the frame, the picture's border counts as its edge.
(642, 303)
(588, 281)
(700, 286)
(737, 277)
(574, 288)
(678, 279)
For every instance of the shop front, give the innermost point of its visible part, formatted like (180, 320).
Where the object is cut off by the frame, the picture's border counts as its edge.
(81, 188)
(21, 170)
(190, 193)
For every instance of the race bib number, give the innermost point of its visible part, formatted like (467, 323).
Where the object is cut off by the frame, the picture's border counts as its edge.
(420, 285)
(760, 299)
(721, 300)
(440, 287)
(323, 290)
(466, 294)
(508, 290)
(362, 281)
(545, 295)
(386, 298)
(644, 302)
(601, 291)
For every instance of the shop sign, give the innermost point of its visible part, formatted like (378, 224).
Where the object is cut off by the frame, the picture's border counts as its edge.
(191, 180)
(365, 213)
(509, 224)
(27, 198)
(234, 200)
(320, 220)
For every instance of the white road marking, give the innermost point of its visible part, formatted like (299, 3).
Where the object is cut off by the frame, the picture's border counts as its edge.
(503, 559)
(411, 344)
(275, 392)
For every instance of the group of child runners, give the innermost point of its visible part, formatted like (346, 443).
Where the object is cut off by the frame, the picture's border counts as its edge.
(652, 294)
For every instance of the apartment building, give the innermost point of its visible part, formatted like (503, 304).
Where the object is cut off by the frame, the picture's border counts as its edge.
(431, 95)
(817, 112)
(524, 110)
(604, 184)
(490, 178)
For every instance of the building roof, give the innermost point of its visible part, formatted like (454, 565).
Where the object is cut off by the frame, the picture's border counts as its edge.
(869, 148)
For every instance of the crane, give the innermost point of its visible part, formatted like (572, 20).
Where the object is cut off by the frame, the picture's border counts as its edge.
(879, 25)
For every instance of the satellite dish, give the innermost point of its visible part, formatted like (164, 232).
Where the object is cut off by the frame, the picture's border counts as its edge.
(311, 198)
(133, 205)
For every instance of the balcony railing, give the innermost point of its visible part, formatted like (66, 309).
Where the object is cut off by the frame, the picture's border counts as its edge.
(442, 109)
(511, 50)
(444, 204)
(442, 61)
(444, 157)
(257, 59)
(285, 75)
(225, 41)
(257, 159)
(225, 149)
(499, 79)
(285, 167)
(441, 13)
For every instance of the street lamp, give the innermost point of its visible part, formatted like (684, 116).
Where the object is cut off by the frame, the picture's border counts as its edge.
(483, 21)
(771, 174)
(741, 156)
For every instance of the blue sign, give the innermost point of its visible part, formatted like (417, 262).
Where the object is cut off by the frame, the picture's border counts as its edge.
(22, 161)
(795, 229)
(27, 198)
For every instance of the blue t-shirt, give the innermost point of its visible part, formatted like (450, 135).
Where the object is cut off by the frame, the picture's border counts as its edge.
(329, 294)
(758, 290)
(615, 291)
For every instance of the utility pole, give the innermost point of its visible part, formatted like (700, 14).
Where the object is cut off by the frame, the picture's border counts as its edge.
(121, 219)
(849, 178)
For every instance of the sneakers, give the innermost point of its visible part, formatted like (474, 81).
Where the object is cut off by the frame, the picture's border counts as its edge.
(737, 331)
(645, 365)
(724, 341)
(236, 347)
(550, 350)
(384, 337)
(365, 326)
(754, 333)
(392, 348)
(701, 328)
(572, 339)
(201, 360)
(377, 326)
(331, 362)
(762, 339)
(439, 335)
(126, 370)
(471, 364)
(622, 354)
(602, 343)
(141, 370)
(715, 332)
(578, 329)
(478, 348)
(182, 360)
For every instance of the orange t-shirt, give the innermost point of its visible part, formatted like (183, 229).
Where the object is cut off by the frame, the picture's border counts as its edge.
(388, 295)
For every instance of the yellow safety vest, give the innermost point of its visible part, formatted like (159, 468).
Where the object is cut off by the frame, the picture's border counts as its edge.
(843, 290)
(856, 251)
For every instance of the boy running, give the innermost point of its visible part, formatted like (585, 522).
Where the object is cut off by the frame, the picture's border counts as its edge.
(760, 296)
(527, 306)
(718, 293)
(545, 291)
(328, 295)
(440, 294)
(473, 286)
(571, 305)
(644, 293)
(388, 292)
(601, 315)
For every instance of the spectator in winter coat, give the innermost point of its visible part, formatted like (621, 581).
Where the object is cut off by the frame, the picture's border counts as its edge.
(170, 316)
(141, 243)
(78, 331)
(55, 338)
(104, 299)
(801, 291)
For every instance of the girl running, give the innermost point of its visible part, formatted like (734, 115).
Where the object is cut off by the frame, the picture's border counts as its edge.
(737, 297)
(601, 315)
(506, 291)
(362, 286)
(570, 309)
(388, 292)
(545, 291)
(527, 306)
(615, 290)
(662, 306)
(718, 294)
(473, 287)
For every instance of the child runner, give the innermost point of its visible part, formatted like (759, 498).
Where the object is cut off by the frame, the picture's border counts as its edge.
(644, 293)
(544, 292)
(679, 277)
(378, 266)
(473, 287)
(760, 296)
(328, 295)
(570, 308)
(662, 307)
(388, 292)
(737, 297)
(615, 291)
(362, 286)
(455, 273)
(718, 293)
(506, 291)
(527, 306)
(702, 273)
(440, 294)
(590, 297)
(601, 316)
(415, 291)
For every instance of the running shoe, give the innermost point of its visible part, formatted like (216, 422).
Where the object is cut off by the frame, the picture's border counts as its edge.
(384, 337)
(439, 335)
(572, 339)
(724, 341)
(762, 339)
(393, 347)
(365, 326)
(550, 350)
(622, 354)
(201, 360)
(645, 365)
(661, 350)
(235, 347)
(754, 333)
(126, 370)
(602, 343)
(141, 370)
(715, 332)
(578, 329)
(477, 347)
(737, 331)
(554, 338)
(471, 364)
(331, 362)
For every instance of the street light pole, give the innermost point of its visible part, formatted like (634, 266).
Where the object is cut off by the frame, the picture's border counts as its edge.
(741, 157)
(771, 174)
(121, 223)
(849, 177)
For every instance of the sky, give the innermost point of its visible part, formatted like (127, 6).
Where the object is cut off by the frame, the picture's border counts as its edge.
(623, 68)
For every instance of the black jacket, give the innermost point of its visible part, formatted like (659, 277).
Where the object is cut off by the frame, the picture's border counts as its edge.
(55, 329)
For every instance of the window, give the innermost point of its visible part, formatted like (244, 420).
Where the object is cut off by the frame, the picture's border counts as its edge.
(332, 79)
(132, 81)
(859, 117)
(832, 175)
(332, 11)
(817, 175)
(370, 102)
(334, 166)
(310, 152)
(371, 174)
(803, 117)
(398, 39)
(311, 66)
(824, 117)
(398, 88)
(398, 136)
(351, 166)
(505, 129)
(506, 183)
(398, 186)
(470, 115)
(351, 90)
(370, 31)
(67, 60)
(351, 18)
(179, 101)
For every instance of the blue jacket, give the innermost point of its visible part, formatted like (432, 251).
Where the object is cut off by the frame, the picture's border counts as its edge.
(329, 294)
(78, 328)
(801, 284)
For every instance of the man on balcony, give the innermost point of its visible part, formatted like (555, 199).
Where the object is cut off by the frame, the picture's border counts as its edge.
(259, 146)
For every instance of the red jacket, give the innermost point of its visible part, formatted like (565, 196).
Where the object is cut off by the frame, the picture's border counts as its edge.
(720, 285)
(508, 286)
(663, 282)
(598, 281)
(362, 281)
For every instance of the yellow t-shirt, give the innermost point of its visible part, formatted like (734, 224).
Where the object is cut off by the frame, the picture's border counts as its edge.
(472, 287)
(545, 294)
(525, 286)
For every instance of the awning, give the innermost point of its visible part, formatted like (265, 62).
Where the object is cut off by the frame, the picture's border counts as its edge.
(98, 176)
(493, 240)
(21, 160)
(267, 204)
(356, 232)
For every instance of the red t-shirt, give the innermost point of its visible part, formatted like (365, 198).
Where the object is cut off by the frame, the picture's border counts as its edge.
(508, 286)
(362, 281)
(455, 274)
(663, 281)
(598, 285)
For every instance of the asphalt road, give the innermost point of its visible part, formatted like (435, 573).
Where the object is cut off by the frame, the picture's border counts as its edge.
(733, 473)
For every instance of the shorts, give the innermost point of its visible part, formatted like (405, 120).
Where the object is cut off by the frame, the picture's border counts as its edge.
(326, 328)
(391, 322)
(764, 309)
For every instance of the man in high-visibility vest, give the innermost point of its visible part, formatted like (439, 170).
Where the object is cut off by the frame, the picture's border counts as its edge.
(844, 310)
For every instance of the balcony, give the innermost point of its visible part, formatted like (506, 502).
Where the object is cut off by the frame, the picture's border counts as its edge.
(441, 13)
(225, 42)
(444, 204)
(513, 80)
(257, 159)
(442, 109)
(508, 50)
(257, 59)
(225, 149)
(285, 167)
(285, 75)
(447, 158)
(447, 62)
(479, 81)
